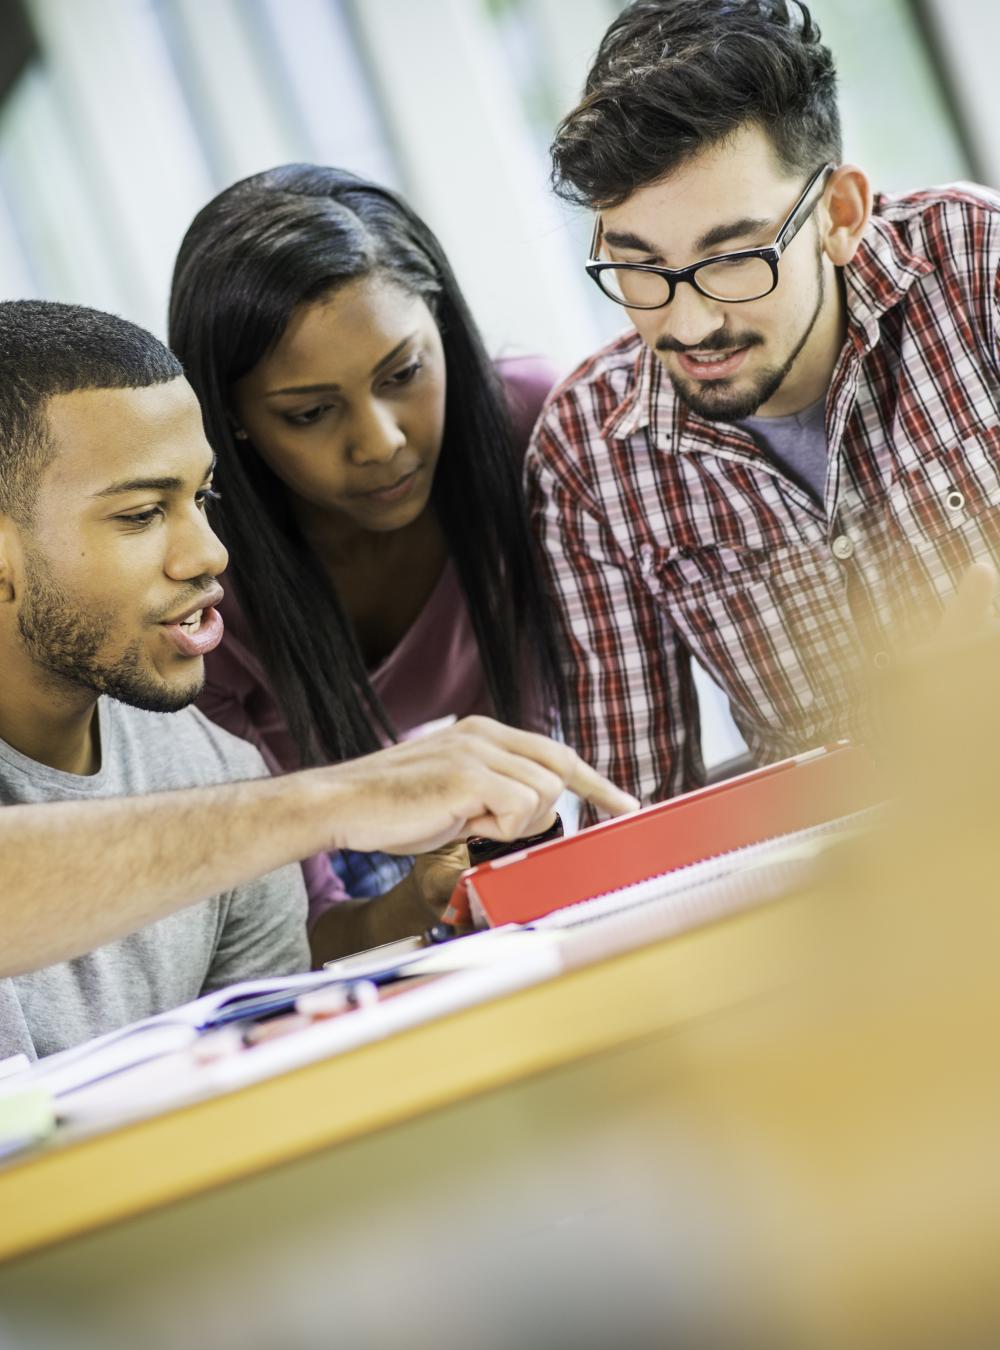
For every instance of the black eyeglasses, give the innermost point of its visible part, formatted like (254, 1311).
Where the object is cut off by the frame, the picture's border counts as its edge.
(733, 278)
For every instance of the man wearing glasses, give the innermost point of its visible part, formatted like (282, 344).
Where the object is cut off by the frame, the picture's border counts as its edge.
(789, 464)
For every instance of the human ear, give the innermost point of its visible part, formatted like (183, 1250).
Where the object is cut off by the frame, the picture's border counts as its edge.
(9, 553)
(848, 209)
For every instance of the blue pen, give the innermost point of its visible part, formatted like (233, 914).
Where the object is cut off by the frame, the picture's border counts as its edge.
(251, 1008)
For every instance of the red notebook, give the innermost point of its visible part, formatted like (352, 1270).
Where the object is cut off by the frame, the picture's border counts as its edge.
(794, 794)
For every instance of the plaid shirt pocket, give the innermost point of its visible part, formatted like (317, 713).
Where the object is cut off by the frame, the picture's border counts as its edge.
(944, 514)
(772, 624)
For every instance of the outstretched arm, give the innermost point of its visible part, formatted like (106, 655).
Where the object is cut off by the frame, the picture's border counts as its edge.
(75, 875)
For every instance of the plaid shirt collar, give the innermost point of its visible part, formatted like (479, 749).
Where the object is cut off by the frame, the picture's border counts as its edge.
(875, 280)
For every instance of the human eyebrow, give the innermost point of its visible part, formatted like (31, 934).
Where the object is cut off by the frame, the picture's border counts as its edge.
(169, 483)
(389, 357)
(330, 386)
(327, 388)
(626, 239)
(731, 231)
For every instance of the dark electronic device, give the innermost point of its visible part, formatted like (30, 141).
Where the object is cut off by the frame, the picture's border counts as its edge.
(483, 850)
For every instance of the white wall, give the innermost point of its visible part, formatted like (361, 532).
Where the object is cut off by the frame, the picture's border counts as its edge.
(968, 33)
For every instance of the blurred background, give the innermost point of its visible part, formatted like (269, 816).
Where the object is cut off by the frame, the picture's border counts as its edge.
(120, 118)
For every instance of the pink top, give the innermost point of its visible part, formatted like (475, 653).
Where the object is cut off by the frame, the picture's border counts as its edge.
(434, 671)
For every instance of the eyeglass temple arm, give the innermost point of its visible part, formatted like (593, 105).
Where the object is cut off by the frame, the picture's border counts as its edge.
(800, 212)
(595, 238)
(803, 208)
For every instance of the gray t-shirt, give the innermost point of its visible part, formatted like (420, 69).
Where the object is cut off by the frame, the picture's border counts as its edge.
(796, 443)
(257, 929)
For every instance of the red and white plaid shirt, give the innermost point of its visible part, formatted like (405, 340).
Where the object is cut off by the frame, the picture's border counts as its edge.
(668, 536)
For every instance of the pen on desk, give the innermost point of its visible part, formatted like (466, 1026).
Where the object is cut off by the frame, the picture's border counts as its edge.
(318, 1005)
(258, 1033)
(438, 933)
(256, 1009)
(328, 1002)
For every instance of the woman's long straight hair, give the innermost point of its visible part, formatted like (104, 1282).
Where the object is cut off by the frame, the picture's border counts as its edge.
(293, 235)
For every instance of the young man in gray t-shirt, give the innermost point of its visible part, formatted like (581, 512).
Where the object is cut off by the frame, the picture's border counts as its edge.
(107, 594)
(113, 905)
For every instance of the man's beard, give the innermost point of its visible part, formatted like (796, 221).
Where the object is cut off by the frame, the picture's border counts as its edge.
(716, 400)
(64, 640)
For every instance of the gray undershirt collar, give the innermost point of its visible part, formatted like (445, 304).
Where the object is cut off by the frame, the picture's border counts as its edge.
(796, 443)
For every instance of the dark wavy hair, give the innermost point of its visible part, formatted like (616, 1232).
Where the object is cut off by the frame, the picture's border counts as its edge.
(672, 77)
(286, 237)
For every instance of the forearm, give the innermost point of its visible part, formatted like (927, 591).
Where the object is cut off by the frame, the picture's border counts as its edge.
(355, 925)
(75, 875)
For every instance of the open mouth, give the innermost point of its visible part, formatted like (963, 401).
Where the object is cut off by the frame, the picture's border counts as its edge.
(198, 634)
(199, 630)
(192, 618)
(712, 365)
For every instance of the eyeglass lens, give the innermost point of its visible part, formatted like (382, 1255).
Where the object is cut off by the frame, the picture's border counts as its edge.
(728, 279)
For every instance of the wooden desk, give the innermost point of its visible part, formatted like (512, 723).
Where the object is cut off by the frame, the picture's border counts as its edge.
(373, 1173)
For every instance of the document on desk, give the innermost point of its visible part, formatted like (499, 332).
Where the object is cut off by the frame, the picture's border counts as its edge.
(183, 1056)
(150, 1039)
(191, 1052)
(703, 892)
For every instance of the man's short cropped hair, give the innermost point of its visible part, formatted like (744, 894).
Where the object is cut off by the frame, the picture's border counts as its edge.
(47, 349)
(672, 77)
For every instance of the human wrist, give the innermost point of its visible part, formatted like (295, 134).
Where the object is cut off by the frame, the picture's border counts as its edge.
(328, 804)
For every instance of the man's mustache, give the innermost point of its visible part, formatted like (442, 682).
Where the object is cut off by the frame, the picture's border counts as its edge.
(714, 342)
(194, 592)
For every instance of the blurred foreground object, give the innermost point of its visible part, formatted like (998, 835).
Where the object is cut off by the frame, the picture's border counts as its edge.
(772, 1131)
(847, 1125)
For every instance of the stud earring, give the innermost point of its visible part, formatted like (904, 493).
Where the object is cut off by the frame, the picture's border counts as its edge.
(240, 434)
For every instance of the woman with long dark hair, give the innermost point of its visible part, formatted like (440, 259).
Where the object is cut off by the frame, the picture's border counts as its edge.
(381, 572)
